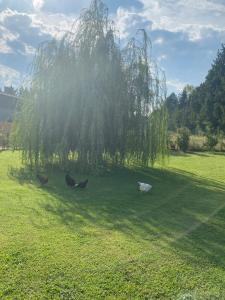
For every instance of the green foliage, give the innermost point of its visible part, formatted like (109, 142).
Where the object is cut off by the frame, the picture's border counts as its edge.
(5, 128)
(214, 92)
(211, 141)
(180, 110)
(171, 104)
(202, 107)
(91, 101)
(183, 139)
(221, 140)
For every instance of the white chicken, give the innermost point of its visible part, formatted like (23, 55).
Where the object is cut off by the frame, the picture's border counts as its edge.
(144, 187)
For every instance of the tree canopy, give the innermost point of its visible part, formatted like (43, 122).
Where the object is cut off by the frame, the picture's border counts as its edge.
(92, 101)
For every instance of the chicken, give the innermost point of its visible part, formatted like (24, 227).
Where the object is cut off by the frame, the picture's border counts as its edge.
(82, 184)
(42, 178)
(70, 181)
(144, 187)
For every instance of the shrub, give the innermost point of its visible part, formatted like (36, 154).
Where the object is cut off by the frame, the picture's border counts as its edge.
(221, 141)
(183, 139)
(171, 142)
(211, 141)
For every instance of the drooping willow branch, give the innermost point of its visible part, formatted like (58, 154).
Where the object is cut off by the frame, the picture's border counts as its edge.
(92, 101)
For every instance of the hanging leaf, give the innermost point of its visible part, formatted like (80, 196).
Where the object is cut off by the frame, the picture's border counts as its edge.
(91, 101)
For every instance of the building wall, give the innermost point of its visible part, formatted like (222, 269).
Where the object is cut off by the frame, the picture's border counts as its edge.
(7, 107)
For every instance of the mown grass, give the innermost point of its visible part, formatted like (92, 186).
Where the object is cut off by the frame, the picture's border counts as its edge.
(110, 241)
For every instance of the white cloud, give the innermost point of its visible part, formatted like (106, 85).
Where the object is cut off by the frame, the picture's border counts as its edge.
(189, 16)
(5, 37)
(21, 33)
(123, 18)
(128, 21)
(162, 57)
(37, 4)
(158, 41)
(54, 24)
(15, 24)
(4, 48)
(68, 7)
(28, 30)
(176, 84)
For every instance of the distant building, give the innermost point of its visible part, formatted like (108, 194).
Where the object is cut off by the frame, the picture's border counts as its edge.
(8, 103)
(9, 90)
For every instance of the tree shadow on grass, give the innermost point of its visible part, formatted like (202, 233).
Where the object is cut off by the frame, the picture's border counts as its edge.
(182, 212)
(221, 153)
(22, 175)
(190, 153)
(202, 154)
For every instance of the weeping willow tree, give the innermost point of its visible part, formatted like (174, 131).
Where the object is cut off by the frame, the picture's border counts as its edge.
(91, 101)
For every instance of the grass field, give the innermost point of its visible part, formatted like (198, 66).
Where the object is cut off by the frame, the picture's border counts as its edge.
(110, 241)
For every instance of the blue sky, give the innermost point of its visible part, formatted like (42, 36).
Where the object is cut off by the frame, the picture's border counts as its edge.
(185, 34)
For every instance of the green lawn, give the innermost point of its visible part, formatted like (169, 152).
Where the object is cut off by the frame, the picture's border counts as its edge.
(110, 241)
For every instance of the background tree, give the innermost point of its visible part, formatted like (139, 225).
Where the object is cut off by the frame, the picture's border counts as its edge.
(202, 107)
(172, 108)
(213, 94)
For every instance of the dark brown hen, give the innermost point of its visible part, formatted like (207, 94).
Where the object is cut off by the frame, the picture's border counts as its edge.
(43, 179)
(82, 184)
(70, 181)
